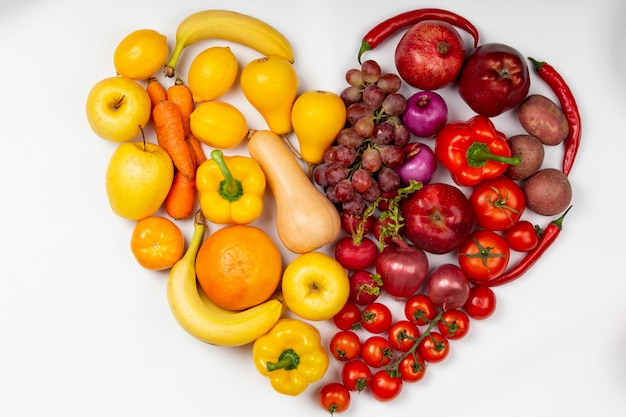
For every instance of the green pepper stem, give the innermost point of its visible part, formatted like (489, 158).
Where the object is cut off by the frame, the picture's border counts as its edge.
(287, 360)
(478, 153)
(230, 188)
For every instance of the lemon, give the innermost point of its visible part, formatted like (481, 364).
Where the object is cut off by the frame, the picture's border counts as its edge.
(141, 54)
(212, 73)
(218, 124)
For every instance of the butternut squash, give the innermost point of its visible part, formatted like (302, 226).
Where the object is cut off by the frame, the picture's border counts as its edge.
(305, 219)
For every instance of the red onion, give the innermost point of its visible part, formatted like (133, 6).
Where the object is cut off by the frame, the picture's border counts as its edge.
(448, 286)
(419, 163)
(425, 114)
(402, 268)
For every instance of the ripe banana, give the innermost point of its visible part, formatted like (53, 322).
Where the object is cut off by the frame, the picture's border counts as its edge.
(231, 26)
(203, 319)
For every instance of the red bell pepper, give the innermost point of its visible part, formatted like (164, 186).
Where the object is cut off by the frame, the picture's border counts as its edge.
(473, 150)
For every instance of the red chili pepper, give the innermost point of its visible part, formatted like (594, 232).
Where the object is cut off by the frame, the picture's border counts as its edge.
(473, 150)
(568, 103)
(548, 236)
(388, 27)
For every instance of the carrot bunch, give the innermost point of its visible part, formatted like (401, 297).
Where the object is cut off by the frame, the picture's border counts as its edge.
(171, 109)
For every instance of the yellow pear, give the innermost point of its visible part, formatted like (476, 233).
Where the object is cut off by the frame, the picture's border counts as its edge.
(317, 116)
(270, 85)
(138, 178)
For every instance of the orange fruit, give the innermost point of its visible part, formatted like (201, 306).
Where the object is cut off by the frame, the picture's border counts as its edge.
(157, 243)
(239, 266)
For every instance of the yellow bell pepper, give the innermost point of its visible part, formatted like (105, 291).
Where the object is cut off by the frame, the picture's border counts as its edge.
(230, 189)
(291, 355)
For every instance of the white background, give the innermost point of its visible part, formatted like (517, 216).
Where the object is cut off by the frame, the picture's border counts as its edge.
(84, 331)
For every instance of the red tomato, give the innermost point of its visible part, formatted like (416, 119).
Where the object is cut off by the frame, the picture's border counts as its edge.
(349, 317)
(402, 335)
(434, 347)
(376, 351)
(334, 397)
(419, 309)
(384, 386)
(498, 203)
(484, 255)
(345, 345)
(522, 237)
(356, 375)
(376, 318)
(481, 302)
(412, 368)
(454, 324)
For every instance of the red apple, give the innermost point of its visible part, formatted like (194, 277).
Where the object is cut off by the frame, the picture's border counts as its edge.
(494, 79)
(438, 218)
(430, 55)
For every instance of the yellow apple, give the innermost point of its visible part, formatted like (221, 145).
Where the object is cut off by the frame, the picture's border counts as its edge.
(315, 286)
(118, 108)
(138, 177)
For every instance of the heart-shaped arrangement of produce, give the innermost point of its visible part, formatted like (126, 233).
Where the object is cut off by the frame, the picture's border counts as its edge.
(387, 204)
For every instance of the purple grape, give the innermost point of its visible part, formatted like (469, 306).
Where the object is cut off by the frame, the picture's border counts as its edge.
(392, 156)
(364, 127)
(356, 111)
(354, 77)
(361, 180)
(319, 175)
(394, 104)
(371, 71)
(336, 173)
(349, 137)
(344, 191)
(351, 95)
(388, 179)
(402, 135)
(373, 96)
(370, 160)
(390, 83)
(383, 133)
(345, 155)
(355, 206)
(372, 193)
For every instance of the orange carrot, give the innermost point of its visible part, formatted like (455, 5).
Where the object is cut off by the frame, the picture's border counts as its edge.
(156, 91)
(170, 134)
(180, 202)
(196, 148)
(180, 94)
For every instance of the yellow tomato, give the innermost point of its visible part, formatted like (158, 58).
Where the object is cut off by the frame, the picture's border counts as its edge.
(218, 124)
(212, 73)
(141, 54)
(157, 243)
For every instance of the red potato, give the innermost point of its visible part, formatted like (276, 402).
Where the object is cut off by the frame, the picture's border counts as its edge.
(542, 118)
(531, 152)
(548, 192)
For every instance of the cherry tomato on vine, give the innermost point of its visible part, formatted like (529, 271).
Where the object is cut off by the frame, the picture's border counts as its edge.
(481, 303)
(384, 386)
(356, 375)
(345, 345)
(434, 347)
(523, 237)
(483, 255)
(412, 368)
(498, 203)
(402, 335)
(376, 318)
(334, 397)
(419, 309)
(376, 351)
(454, 324)
(349, 317)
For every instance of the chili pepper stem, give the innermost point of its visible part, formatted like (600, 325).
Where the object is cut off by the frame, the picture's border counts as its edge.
(231, 188)
(478, 153)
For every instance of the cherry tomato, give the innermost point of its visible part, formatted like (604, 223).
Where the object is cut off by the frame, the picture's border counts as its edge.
(402, 335)
(522, 237)
(384, 386)
(345, 345)
(157, 243)
(498, 203)
(434, 347)
(454, 324)
(484, 255)
(376, 318)
(356, 375)
(376, 351)
(481, 303)
(349, 317)
(412, 368)
(419, 309)
(334, 397)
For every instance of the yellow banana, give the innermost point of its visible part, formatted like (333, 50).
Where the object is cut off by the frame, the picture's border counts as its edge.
(203, 319)
(231, 26)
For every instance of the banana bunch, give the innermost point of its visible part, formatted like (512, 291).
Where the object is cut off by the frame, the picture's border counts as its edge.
(230, 26)
(203, 319)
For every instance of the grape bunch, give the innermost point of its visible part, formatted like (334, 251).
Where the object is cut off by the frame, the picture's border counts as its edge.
(360, 165)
